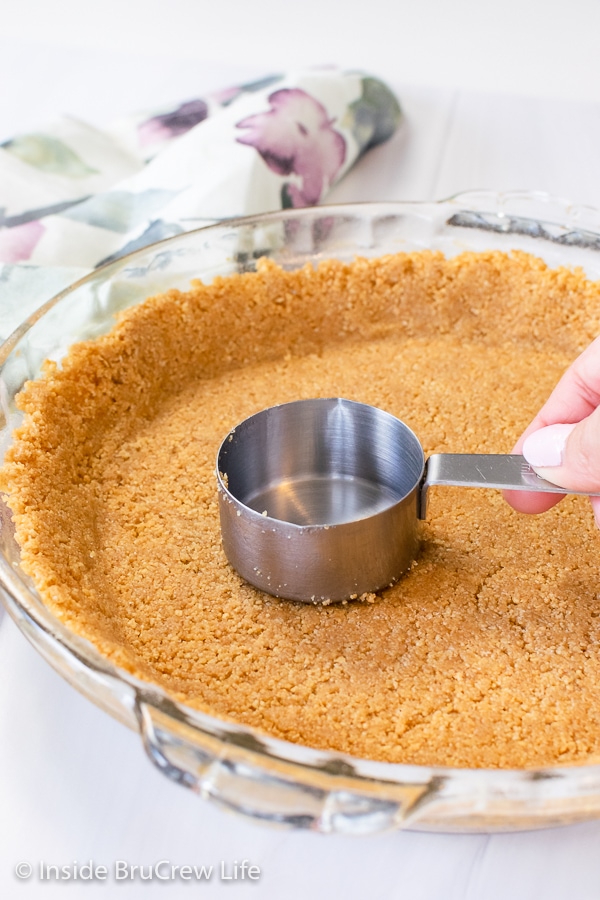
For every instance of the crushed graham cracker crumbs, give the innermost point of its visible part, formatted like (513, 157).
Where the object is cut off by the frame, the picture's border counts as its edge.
(486, 654)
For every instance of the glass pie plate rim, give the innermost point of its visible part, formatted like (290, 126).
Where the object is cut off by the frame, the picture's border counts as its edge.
(270, 779)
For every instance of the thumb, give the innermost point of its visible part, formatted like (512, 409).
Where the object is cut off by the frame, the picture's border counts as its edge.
(567, 455)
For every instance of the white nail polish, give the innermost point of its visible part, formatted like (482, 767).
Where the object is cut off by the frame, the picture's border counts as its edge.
(546, 446)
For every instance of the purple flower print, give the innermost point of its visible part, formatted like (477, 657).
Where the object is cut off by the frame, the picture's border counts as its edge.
(18, 243)
(172, 124)
(296, 137)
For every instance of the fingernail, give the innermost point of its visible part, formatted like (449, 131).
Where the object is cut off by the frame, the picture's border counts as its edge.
(546, 446)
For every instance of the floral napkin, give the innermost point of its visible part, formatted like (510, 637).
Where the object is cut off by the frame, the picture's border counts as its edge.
(73, 197)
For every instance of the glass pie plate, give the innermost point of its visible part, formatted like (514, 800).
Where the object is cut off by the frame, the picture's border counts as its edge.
(238, 767)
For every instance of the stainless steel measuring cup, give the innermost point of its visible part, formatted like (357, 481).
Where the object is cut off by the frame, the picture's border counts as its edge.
(319, 499)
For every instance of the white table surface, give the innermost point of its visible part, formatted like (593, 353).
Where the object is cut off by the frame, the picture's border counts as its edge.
(75, 785)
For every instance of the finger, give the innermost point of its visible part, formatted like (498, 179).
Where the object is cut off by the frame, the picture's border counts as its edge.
(567, 454)
(575, 397)
(544, 450)
(532, 502)
(526, 501)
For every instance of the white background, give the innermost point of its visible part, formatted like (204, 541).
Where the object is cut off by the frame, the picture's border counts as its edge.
(535, 47)
(501, 95)
(53, 54)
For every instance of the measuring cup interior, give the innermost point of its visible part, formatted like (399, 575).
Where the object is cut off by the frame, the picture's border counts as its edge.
(321, 462)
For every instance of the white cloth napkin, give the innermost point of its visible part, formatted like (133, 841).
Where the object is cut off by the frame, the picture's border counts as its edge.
(73, 197)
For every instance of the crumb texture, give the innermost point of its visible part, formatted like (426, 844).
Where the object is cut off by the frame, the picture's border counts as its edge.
(486, 654)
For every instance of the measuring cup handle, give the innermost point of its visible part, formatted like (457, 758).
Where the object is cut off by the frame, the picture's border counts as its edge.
(482, 470)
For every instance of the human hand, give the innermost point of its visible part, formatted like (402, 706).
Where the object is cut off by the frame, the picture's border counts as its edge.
(562, 444)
